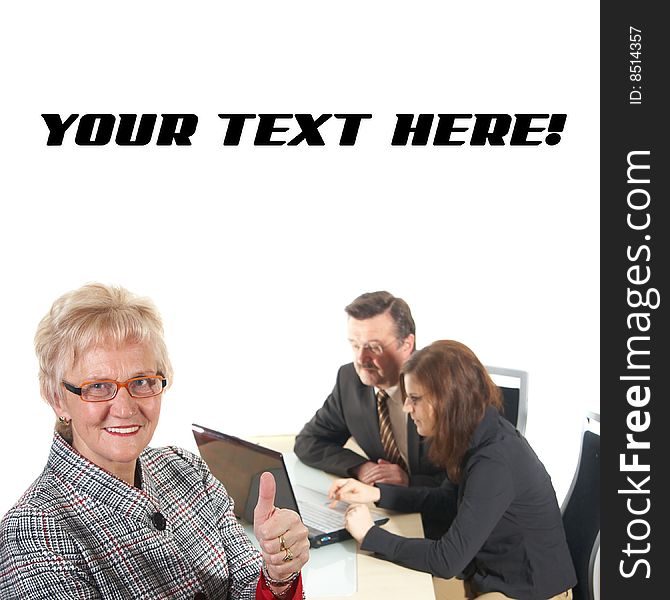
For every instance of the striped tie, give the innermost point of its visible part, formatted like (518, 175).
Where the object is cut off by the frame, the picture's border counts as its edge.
(385, 431)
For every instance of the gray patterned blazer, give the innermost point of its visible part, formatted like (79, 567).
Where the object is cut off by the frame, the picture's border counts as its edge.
(80, 533)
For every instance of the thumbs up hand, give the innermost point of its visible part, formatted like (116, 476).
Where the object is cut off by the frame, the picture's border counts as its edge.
(280, 533)
(265, 507)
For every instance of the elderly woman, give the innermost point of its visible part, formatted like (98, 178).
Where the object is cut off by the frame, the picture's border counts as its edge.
(506, 537)
(110, 517)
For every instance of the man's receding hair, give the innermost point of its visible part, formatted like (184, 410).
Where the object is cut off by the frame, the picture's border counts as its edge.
(371, 304)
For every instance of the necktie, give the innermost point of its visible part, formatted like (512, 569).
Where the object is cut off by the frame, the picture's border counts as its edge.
(385, 431)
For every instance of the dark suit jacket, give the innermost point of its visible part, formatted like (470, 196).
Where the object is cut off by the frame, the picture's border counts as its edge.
(506, 533)
(351, 411)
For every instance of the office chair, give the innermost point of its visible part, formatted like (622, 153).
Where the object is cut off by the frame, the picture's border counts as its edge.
(581, 510)
(514, 386)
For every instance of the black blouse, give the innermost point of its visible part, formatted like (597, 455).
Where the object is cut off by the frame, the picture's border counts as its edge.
(506, 533)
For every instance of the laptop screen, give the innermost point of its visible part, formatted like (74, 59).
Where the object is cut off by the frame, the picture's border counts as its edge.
(238, 465)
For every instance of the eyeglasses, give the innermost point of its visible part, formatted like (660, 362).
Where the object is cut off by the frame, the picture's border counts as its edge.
(99, 391)
(375, 347)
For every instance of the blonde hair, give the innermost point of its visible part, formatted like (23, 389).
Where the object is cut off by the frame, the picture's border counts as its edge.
(94, 315)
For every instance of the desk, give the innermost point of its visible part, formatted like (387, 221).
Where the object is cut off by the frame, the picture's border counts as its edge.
(376, 578)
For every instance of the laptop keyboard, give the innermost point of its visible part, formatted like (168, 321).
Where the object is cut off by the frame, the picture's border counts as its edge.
(321, 517)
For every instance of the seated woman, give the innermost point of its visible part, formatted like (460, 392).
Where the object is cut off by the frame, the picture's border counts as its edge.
(506, 537)
(111, 518)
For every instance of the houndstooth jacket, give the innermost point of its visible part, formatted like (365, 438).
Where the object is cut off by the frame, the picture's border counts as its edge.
(80, 533)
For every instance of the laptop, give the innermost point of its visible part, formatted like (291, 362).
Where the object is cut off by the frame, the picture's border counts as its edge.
(238, 465)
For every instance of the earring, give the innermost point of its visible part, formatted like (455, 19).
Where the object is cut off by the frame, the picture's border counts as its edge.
(64, 420)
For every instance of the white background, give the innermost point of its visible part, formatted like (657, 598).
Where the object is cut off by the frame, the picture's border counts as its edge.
(252, 253)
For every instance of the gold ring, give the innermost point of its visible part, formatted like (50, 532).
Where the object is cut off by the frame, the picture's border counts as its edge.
(288, 556)
(282, 543)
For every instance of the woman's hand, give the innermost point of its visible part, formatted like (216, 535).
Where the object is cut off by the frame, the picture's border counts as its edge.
(280, 533)
(358, 521)
(352, 490)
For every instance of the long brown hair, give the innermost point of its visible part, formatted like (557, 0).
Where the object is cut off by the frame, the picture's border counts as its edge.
(459, 389)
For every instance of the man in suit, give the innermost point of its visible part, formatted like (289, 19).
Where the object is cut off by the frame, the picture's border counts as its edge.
(381, 332)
